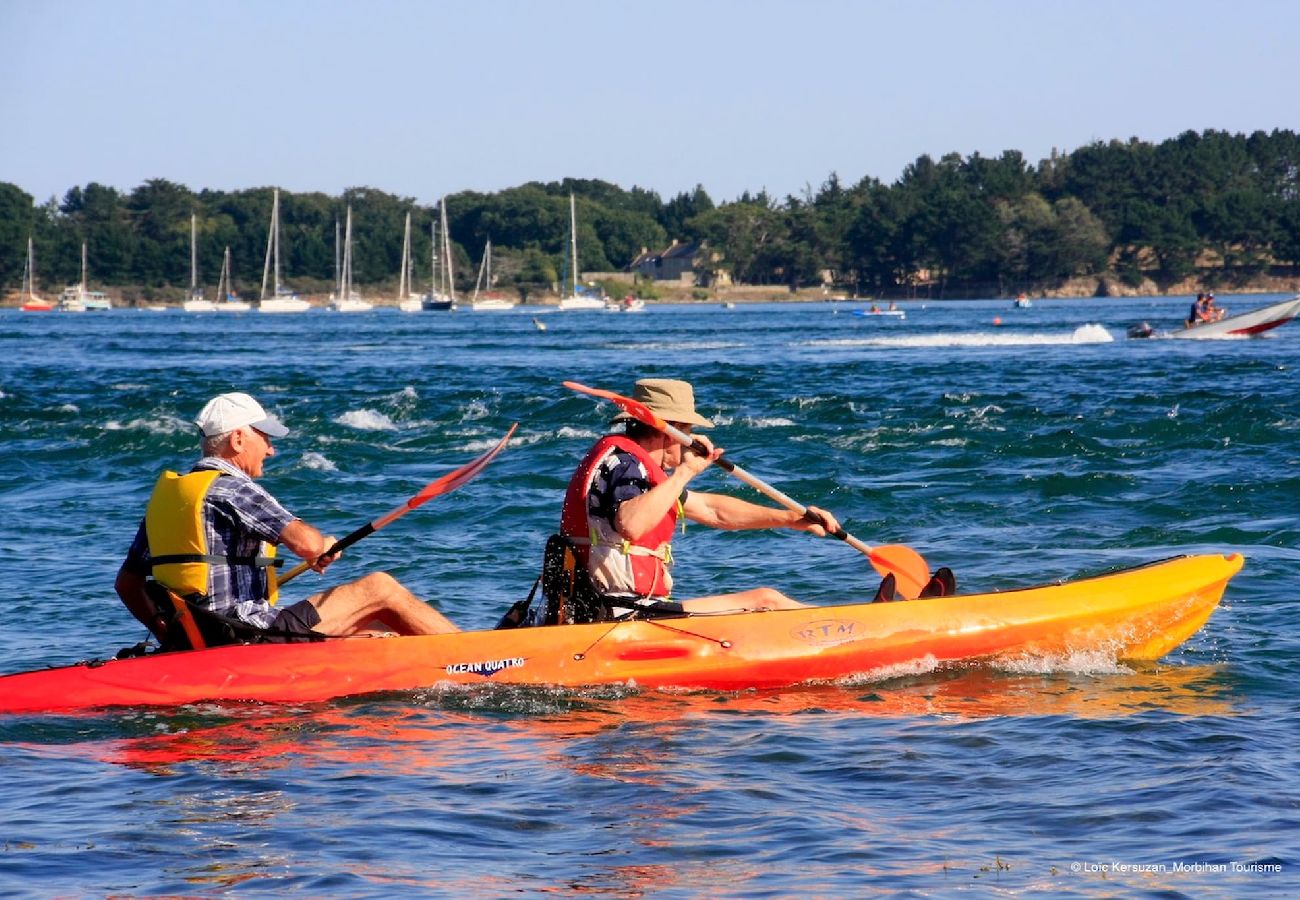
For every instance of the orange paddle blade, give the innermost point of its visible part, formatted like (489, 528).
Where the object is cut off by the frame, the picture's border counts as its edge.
(910, 571)
(634, 408)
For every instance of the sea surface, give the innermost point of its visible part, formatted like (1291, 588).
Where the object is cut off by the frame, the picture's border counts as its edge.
(1017, 446)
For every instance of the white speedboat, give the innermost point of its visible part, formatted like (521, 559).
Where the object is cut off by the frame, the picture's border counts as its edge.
(1246, 324)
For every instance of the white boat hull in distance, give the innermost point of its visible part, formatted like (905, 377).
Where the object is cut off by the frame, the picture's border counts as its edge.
(579, 303)
(199, 306)
(351, 305)
(286, 304)
(410, 304)
(868, 313)
(491, 305)
(1246, 324)
(231, 306)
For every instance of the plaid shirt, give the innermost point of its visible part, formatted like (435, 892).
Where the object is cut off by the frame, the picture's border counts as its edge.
(238, 514)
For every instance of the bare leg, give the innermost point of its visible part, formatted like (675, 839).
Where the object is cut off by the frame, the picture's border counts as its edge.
(745, 601)
(349, 608)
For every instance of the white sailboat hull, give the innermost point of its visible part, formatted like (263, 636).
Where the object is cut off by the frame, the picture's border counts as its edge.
(283, 305)
(581, 303)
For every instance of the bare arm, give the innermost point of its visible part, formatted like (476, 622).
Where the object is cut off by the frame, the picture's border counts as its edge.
(734, 514)
(130, 588)
(307, 542)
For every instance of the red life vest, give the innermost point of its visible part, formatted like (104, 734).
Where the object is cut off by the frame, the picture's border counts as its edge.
(617, 565)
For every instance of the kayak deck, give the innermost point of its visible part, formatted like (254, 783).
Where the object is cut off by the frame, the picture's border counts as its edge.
(1140, 613)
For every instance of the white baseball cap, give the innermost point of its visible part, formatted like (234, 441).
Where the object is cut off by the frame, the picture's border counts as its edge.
(227, 412)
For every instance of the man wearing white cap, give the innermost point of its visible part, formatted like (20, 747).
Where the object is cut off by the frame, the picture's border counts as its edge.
(623, 504)
(209, 537)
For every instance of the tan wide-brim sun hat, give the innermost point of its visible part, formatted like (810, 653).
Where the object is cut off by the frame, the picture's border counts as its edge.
(668, 398)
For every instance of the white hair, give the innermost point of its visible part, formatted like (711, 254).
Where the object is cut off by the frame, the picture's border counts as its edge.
(215, 445)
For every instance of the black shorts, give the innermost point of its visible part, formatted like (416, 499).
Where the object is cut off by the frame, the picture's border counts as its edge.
(298, 620)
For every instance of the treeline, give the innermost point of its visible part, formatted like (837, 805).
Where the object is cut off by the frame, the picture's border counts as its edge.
(1225, 206)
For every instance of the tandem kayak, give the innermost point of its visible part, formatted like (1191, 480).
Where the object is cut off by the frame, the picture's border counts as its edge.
(1138, 614)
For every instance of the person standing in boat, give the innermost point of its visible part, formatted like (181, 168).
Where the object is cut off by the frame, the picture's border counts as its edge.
(621, 510)
(209, 537)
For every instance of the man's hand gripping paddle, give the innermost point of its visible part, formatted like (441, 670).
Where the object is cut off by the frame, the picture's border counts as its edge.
(909, 569)
(436, 488)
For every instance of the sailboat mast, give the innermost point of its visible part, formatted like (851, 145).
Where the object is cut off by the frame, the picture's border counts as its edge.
(403, 277)
(433, 257)
(275, 214)
(338, 272)
(270, 241)
(346, 291)
(573, 246)
(83, 268)
(446, 254)
(194, 253)
(29, 276)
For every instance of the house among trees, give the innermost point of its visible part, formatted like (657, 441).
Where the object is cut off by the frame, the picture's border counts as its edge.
(690, 263)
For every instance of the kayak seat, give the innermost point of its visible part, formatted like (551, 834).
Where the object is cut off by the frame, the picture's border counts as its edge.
(888, 590)
(191, 626)
(942, 584)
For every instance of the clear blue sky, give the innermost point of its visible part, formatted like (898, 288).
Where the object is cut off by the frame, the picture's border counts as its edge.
(426, 98)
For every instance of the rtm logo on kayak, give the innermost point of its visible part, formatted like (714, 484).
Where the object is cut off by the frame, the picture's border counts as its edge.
(826, 632)
(486, 669)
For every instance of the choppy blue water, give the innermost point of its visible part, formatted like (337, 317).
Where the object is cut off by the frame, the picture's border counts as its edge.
(1046, 447)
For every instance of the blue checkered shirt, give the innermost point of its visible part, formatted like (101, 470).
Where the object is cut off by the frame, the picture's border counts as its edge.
(238, 514)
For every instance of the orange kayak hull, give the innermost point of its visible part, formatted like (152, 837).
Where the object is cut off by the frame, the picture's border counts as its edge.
(1140, 613)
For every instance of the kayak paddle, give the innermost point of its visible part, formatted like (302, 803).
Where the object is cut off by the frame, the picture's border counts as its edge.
(439, 486)
(910, 570)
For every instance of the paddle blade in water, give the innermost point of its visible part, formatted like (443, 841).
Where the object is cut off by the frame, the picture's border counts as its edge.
(905, 564)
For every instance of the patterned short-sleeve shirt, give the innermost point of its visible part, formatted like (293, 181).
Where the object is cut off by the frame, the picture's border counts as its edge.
(238, 515)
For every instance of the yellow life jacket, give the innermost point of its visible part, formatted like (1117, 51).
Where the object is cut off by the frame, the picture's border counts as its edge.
(178, 543)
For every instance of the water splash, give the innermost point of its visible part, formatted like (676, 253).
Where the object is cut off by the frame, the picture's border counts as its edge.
(366, 420)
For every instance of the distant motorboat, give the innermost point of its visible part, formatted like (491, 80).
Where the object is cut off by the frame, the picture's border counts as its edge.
(877, 311)
(627, 304)
(77, 298)
(1022, 302)
(1247, 324)
(539, 324)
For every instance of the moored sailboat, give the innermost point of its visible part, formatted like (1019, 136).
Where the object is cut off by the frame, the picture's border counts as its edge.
(576, 299)
(490, 302)
(31, 302)
(227, 299)
(406, 301)
(282, 300)
(442, 294)
(196, 302)
(346, 299)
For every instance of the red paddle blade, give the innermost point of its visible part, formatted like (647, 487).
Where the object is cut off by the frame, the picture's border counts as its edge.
(633, 408)
(454, 479)
(910, 571)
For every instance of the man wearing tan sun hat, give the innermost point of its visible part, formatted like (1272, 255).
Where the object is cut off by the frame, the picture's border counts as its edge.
(622, 507)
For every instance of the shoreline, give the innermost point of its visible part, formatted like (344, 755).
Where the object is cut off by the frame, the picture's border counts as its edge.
(1076, 289)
